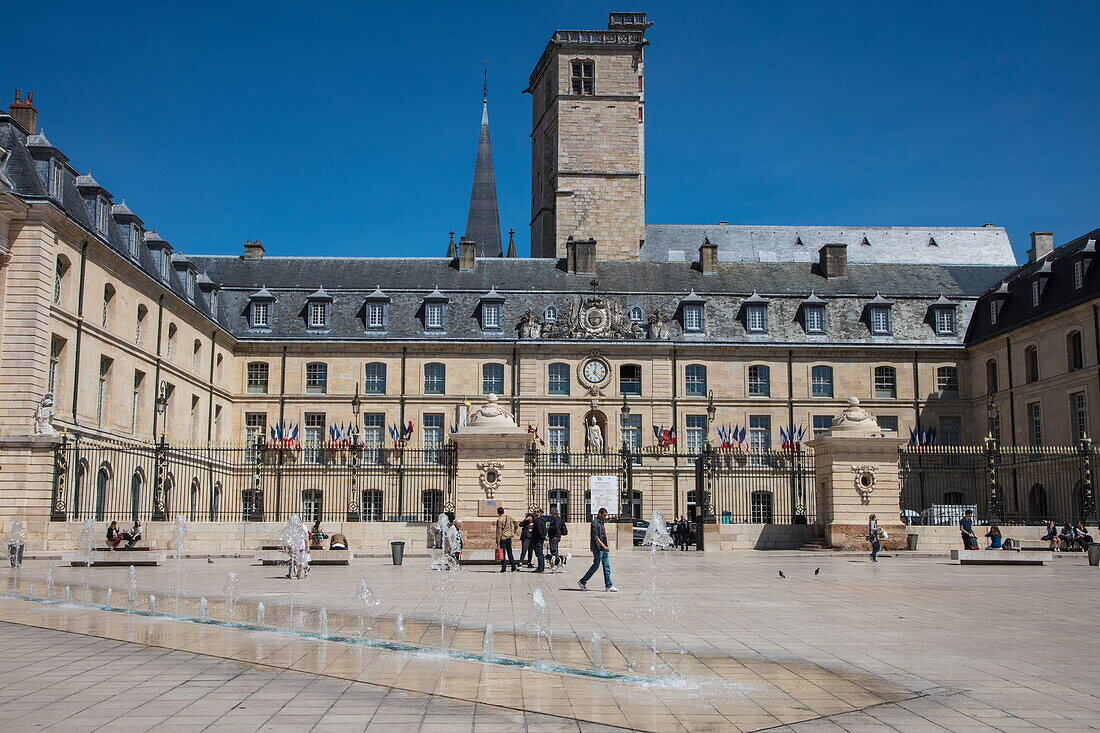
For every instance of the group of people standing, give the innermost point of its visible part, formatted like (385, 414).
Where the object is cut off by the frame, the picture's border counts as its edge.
(536, 529)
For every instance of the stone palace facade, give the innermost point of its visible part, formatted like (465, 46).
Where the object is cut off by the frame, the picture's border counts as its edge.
(612, 328)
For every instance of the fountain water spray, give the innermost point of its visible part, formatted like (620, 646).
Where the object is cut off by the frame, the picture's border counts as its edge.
(30, 592)
(107, 599)
(444, 543)
(179, 543)
(152, 603)
(657, 537)
(595, 652)
(368, 603)
(131, 591)
(295, 538)
(540, 619)
(87, 545)
(487, 643)
(260, 613)
(68, 597)
(17, 541)
(49, 580)
(202, 609)
(231, 595)
(399, 628)
(322, 623)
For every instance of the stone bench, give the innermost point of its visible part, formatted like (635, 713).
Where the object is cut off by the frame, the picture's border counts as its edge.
(269, 556)
(1002, 557)
(115, 558)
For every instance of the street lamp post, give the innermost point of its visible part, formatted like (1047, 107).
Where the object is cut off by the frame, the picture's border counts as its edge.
(160, 511)
(711, 411)
(354, 509)
(628, 463)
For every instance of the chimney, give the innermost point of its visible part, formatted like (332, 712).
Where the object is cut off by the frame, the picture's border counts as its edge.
(1042, 244)
(253, 250)
(833, 260)
(708, 257)
(24, 112)
(467, 254)
(582, 256)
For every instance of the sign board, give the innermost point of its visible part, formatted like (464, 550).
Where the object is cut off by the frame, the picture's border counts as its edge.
(605, 493)
(487, 507)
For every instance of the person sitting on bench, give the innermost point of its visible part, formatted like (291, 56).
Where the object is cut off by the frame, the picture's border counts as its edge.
(113, 536)
(994, 536)
(316, 536)
(1081, 536)
(338, 542)
(1051, 536)
(134, 535)
(1066, 538)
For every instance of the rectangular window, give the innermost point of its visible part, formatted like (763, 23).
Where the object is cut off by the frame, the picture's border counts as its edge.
(888, 422)
(696, 432)
(584, 77)
(815, 318)
(1078, 274)
(632, 432)
(260, 314)
(880, 320)
(950, 431)
(821, 381)
(490, 315)
(55, 359)
(630, 379)
(433, 437)
(994, 311)
(373, 436)
(759, 381)
(822, 423)
(255, 429)
(193, 419)
(1036, 292)
(433, 315)
(375, 378)
(317, 315)
(886, 383)
(695, 380)
(104, 373)
(1079, 415)
(376, 315)
(101, 215)
(435, 378)
(492, 379)
(56, 179)
(557, 437)
(558, 379)
(756, 318)
(1035, 423)
(314, 437)
(693, 318)
(760, 438)
(257, 377)
(947, 382)
(135, 402)
(316, 378)
(945, 321)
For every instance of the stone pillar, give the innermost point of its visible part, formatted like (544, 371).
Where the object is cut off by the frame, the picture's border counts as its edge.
(491, 472)
(27, 486)
(857, 474)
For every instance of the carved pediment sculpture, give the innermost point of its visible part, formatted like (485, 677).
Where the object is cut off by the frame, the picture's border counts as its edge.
(660, 326)
(530, 326)
(594, 318)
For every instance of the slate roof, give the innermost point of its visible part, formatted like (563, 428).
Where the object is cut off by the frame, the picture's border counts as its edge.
(1014, 293)
(483, 218)
(987, 245)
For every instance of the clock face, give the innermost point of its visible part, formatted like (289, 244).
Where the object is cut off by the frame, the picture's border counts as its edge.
(595, 371)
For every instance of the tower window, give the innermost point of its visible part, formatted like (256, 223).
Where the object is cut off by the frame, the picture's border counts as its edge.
(584, 77)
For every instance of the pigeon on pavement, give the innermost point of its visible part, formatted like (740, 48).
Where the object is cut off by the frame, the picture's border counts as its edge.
(781, 575)
(817, 572)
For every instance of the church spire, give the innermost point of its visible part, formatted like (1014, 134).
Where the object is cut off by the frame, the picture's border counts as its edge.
(483, 221)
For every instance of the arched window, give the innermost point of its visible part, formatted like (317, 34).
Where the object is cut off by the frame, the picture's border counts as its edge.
(1037, 503)
(137, 482)
(216, 503)
(886, 383)
(78, 489)
(196, 356)
(550, 315)
(636, 315)
(435, 378)
(761, 507)
(821, 381)
(431, 505)
(953, 498)
(492, 379)
(372, 505)
(218, 368)
(61, 267)
(102, 488)
(558, 499)
(375, 378)
(193, 507)
(695, 380)
(992, 381)
(1031, 364)
(171, 347)
(558, 379)
(108, 296)
(947, 381)
(139, 326)
(312, 501)
(1075, 355)
(759, 381)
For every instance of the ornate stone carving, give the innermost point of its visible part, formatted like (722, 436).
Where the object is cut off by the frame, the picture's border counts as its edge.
(489, 477)
(491, 414)
(43, 419)
(594, 318)
(660, 326)
(530, 326)
(864, 478)
(854, 419)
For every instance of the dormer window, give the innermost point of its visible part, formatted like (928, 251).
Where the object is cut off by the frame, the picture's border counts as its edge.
(102, 212)
(756, 318)
(375, 315)
(550, 315)
(945, 321)
(56, 180)
(135, 237)
(636, 315)
(994, 311)
(318, 315)
(692, 318)
(433, 315)
(880, 319)
(261, 314)
(491, 306)
(814, 318)
(1079, 274)
(1036, 293)
(584, 77)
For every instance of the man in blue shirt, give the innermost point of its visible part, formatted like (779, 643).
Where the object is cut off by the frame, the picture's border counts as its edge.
(600, 552)
(966, 527)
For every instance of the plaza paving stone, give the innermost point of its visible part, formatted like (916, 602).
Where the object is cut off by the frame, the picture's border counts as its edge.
(906, 644)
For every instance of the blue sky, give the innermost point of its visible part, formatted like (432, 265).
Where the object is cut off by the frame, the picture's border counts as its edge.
(351, 128)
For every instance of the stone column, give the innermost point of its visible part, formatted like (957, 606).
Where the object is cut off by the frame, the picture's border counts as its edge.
(491, 472)
(857, 474)
(27, 473)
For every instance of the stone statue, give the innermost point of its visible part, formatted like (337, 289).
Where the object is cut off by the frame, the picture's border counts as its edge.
(594, 436)
(659, 328)
(530, 327)
(43, 419)
(854, 419)
(491, 413)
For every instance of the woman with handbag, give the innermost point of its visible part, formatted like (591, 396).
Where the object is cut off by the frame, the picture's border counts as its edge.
(875, 535)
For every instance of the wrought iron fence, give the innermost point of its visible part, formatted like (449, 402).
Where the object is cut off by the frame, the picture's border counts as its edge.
(103, 481)
(766, 487)
(1001, 484)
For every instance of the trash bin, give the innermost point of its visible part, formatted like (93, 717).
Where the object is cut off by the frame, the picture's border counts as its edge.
(911, 541)
(397, 552)
(1094, 554)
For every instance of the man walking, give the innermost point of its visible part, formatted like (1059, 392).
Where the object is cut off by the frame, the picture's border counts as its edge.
(966, 528)
(506, 530)
(600, 552)
(554, 530)
(525, 540)
(538, 536)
